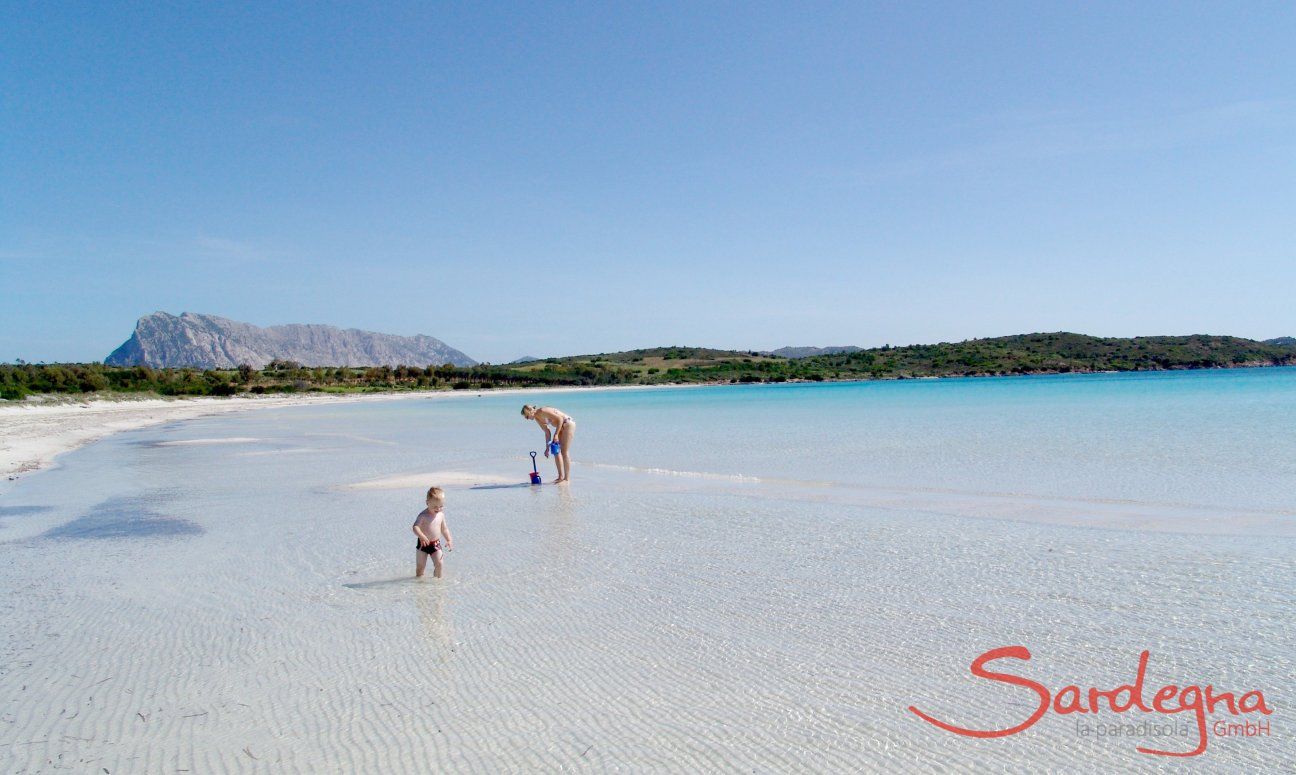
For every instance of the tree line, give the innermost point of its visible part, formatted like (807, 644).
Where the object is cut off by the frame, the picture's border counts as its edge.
(1056, 353)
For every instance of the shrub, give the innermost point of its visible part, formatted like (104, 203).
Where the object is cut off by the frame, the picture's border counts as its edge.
(14, 392)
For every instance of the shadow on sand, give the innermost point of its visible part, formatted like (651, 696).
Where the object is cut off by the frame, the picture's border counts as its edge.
(21, 511)
(124, 518)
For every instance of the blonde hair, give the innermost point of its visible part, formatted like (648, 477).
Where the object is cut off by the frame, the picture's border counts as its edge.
(528, 410)
(436, 492)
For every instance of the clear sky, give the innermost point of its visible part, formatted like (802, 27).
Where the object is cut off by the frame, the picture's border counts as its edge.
(538, 179)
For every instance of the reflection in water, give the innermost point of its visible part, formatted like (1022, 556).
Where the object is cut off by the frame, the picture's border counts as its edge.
(560, 521)
(431, 601)
(560, 544)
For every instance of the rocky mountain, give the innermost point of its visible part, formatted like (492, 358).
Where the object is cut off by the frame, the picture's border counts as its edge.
(206, 341)
(1283, 341)
(806, 352)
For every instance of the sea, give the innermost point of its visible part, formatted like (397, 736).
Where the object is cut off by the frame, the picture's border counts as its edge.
(747, 578)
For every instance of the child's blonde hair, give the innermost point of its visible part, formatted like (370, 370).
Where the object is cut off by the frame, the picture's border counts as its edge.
(436, 493)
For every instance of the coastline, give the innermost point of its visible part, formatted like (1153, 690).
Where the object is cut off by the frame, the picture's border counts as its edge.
(34, 433)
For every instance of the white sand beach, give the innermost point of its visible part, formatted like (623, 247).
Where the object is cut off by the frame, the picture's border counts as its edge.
(33, 434)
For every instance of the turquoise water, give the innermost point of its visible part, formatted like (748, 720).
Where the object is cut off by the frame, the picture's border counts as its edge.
(739, 578)
(1214, 438)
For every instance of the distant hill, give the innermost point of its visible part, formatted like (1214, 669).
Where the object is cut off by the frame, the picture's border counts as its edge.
(806, 352)
(523, 359)
(676, 356)
(1053, 353)
(1044, 353)
(209, 342)
(1020, 354)
(1282, 341)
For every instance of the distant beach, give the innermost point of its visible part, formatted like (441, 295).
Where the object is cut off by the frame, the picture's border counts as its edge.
(35, 432)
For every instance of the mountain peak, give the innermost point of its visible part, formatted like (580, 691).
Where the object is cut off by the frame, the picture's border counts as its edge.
(211, 342)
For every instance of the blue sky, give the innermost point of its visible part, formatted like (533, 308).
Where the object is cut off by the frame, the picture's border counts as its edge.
(577, 178)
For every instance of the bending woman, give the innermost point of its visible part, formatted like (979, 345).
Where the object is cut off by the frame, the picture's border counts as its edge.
(563, 428)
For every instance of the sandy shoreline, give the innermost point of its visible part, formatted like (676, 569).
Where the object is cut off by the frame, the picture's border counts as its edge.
(33, 434)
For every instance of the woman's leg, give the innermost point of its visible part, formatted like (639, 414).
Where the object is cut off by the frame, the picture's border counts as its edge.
(567, 432)
(558, 464)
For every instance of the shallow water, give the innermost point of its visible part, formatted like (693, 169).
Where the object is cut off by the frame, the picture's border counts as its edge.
(740, 579)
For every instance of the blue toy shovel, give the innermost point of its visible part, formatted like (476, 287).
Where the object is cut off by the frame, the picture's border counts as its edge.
(535, 472)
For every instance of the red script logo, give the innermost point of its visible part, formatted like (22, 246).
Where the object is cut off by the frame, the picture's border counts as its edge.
(1168, 700)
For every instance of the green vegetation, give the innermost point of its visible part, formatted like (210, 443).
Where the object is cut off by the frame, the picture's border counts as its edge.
(1025, 354)
(277, 377)
(1057, 353)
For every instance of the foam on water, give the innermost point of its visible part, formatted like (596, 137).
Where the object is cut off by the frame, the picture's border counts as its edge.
(778, 610)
